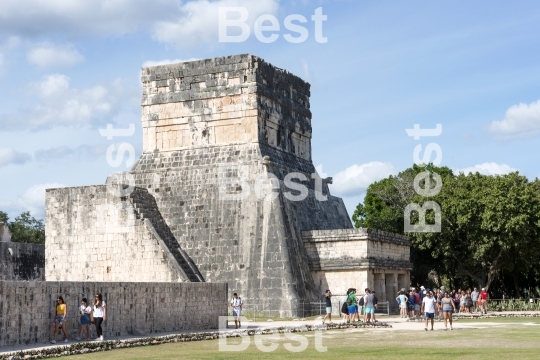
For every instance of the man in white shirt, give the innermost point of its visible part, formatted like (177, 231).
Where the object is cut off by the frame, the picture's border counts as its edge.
(428, 308)
(236, 304)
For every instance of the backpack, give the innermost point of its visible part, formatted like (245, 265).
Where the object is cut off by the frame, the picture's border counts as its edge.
(344, 308)
(361, 301)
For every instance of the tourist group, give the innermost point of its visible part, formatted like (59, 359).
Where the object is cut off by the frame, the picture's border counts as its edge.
(95, 314)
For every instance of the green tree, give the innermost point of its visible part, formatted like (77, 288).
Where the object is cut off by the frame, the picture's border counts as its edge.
(490, 224)
(26, 229)
(4, 218)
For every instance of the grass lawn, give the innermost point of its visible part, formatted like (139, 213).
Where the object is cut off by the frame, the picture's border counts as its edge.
(504, 338)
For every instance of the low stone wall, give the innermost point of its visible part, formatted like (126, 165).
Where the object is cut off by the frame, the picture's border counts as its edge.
(21, 261)
(27, 309)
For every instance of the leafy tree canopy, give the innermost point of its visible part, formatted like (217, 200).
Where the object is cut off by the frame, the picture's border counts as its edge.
(25, 228)
(490, 224)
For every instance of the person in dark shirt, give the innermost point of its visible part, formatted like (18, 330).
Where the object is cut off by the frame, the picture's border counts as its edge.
(328, 299)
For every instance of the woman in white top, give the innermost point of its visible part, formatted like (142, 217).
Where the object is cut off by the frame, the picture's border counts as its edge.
(85, 312)
(99, 315)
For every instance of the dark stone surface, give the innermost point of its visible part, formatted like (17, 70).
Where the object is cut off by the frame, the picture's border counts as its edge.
(21, 261)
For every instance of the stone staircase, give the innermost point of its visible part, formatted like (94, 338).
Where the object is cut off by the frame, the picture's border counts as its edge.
(146, 209)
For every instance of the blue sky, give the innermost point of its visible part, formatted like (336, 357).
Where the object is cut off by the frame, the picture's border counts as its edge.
(67, 69)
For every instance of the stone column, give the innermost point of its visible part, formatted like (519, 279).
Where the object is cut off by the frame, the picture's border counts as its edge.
(391, 290)
(379, 286)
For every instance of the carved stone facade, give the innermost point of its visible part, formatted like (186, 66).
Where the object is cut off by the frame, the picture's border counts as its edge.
(359, 258)
(227, 143)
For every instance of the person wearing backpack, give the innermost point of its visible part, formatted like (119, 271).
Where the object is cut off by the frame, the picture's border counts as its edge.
(345, 308)
(236, 304)
(351, 305)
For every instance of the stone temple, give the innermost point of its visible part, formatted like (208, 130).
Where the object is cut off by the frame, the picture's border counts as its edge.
(224, 191)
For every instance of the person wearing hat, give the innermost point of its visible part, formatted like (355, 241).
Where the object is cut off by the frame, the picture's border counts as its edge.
(482, 301)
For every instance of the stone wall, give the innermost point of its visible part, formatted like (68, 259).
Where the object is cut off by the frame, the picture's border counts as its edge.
(359, 258)
(27, 308)
(21, 261)
(225, 126)
(93, 235)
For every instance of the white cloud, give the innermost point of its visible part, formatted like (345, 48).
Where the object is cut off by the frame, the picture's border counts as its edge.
(489, 168)
(11, 157)
(55, 103)
(175, 22)
(197, 22)
(47, 55)
(33, 199)
(31, 18)
(355, 179)
(520, 121)
(83, 152)
(5, 47)
(165, 62)
(307, 73)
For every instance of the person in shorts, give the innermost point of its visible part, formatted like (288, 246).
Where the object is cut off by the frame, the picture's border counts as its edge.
(412, 302)
(60, 319)
(236, 304)
(85, 311)
(351, 305)
(369, 306)
(417, 302)
(402, 301)
(328, 300)
(447, 307)
(428, 308)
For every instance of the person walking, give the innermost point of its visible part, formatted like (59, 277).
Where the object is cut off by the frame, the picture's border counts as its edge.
(474, 298)
(236, 304)
(428, 309)
(448, 307)
(99, 315)
(482, 301)
(60, 319)
(85, 312)
(402, 301)
(328, 300)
